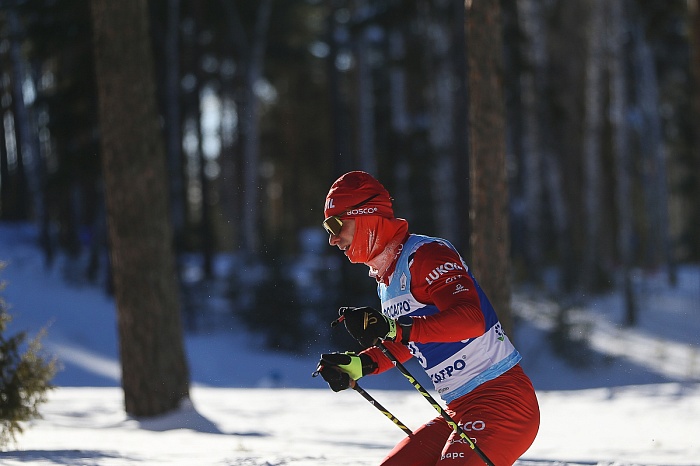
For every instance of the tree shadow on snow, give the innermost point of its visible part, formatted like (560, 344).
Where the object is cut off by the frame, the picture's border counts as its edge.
(557, 463)
(187, 417)
(59, 457)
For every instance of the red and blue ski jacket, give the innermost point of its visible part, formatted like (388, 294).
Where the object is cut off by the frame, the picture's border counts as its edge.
(456, 335)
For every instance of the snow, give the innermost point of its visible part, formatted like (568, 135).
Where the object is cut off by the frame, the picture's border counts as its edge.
(632, 397)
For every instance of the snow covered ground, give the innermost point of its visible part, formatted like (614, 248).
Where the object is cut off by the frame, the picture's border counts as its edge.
(633, 399)
(652, 424)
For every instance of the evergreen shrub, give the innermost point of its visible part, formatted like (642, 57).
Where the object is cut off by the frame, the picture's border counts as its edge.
(25, 376)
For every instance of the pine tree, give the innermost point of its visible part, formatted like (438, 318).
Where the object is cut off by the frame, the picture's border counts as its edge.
(155, 376)
(24, 378)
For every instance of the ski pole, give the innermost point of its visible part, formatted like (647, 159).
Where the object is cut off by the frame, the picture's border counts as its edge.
(434, 403)
(355, 386)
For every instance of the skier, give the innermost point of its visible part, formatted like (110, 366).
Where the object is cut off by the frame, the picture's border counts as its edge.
(434, 310)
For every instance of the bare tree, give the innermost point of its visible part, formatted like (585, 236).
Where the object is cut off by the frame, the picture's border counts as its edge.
(592, 131)
(532, 77)
(652, 151)
(24, 122)
(154, 371)
(490, 240)
(250, 125)
(695, 65)
(400, 115)
(542, 179)
(367, 160)
(621, 148)
(173, 132)
(442, 110)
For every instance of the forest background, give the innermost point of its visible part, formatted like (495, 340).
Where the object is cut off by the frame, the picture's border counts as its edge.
(262, 104)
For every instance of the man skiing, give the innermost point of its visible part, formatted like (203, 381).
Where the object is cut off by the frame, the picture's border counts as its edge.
(434, 310)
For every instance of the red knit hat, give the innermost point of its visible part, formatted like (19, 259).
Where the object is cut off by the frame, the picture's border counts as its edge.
(358, 188)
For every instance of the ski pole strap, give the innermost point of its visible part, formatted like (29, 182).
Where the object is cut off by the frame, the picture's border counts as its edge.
(451, 422)
(355, 386)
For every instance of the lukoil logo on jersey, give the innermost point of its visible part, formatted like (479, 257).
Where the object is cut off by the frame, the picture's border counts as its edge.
(441, 270)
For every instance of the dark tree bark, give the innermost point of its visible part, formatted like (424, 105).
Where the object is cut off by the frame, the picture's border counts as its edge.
(441, 108)
(337, 34)
(29, 196)
(621, 149)
(205, 226)
(366, 105)
(250, 125)
(532, 79)
(695, 66)
(5, 192)
(592, 148)
(173, 132)
(490, 239)
(459, 123)
(154, 371)
(647, 94)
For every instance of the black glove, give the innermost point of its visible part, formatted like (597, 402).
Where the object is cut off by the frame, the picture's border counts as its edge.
(339, 368)
(368, 325)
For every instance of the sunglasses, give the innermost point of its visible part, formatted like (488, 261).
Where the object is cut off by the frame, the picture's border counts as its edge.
(334, 224)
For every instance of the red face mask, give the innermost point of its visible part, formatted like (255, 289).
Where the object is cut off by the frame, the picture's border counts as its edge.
(376, 242)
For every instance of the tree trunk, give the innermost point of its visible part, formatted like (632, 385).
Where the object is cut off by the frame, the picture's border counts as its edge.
(593, 132)
(231, 77)
(250, 123)
(337, 38)
(4, 174)
(154, 371)
(460, 175)
(658, 250)
(441, 108)
(206, 233)
(621, 149)
(400, 119)
(694, 6)
(28, 156)
(173, 124)
(365, 104)
(542, 180)
(489, 188)
(530, 18)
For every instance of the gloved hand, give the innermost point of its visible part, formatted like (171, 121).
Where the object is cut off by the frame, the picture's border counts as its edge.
(368, 325)
(339, 368)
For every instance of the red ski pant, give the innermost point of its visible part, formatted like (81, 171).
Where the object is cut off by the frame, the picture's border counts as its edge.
(501, 416)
